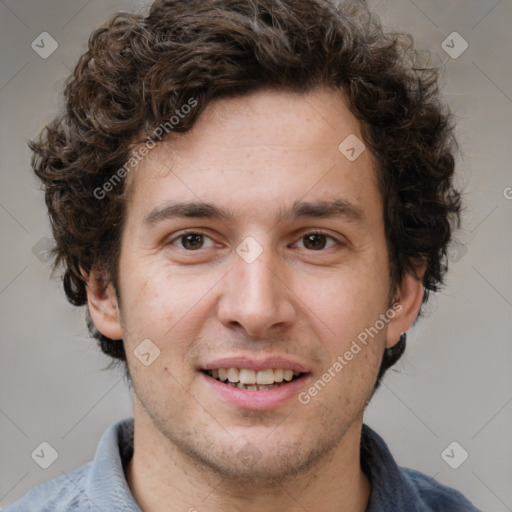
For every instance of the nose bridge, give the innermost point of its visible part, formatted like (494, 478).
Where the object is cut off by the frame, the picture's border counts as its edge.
(257, 280)
(254, 296)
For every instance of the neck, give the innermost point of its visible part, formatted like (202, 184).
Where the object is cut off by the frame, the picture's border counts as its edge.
(164, 478)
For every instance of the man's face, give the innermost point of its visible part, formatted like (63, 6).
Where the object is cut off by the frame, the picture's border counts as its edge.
(258, 290)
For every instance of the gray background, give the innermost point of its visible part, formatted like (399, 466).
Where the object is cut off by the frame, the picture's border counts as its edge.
(453, 384)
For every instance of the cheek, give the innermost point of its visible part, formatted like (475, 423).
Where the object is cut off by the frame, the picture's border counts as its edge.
(163, 305)
(348, 300)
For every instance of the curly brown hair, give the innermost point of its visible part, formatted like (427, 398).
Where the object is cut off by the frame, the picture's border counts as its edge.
(140, 70)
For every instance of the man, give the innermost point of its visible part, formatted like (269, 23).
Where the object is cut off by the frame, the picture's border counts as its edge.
(253, 198)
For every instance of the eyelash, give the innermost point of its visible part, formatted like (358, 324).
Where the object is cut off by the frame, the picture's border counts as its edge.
(312, 232)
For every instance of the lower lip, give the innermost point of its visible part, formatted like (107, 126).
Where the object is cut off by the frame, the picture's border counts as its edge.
(256, 400)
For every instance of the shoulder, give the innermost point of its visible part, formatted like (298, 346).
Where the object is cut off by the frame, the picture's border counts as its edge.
(63, 494)
(433, 496)
(97, 485)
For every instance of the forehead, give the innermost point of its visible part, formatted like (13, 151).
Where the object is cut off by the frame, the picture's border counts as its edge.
(270, 145)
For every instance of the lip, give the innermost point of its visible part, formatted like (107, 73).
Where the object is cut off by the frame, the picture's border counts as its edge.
(256, 400)
(274, 362)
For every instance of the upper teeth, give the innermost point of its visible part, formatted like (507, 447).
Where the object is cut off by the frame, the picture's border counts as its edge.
(248, 376)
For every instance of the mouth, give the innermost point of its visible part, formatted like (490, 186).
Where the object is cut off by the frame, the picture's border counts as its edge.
(254, 380)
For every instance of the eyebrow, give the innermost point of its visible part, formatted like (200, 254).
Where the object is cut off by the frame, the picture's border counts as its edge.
(300, 209)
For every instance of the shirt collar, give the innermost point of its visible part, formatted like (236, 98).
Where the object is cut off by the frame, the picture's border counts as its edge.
(389, 486)
(107, 485)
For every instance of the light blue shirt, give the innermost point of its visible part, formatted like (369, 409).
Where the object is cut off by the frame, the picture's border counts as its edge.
(100, 485)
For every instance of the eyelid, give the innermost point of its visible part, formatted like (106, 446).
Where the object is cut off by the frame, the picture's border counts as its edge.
(299, 236)
(316, 231)
(181, 234)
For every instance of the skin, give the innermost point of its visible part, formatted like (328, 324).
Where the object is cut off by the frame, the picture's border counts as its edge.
(253, 155)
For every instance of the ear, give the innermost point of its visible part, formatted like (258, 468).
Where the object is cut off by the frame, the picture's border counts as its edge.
(103, 305)
(409, 296)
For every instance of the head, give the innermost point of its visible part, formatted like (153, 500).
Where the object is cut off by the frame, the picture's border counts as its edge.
(242, 105)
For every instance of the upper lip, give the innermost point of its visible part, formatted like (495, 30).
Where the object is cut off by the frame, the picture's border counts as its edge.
(273, 362)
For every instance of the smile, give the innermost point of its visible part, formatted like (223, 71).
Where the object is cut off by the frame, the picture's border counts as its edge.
(247, 378)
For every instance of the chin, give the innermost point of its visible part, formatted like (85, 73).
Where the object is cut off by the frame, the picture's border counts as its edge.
(266, 456)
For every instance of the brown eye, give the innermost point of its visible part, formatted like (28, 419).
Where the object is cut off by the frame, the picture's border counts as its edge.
(191, 241)
(314, 241)
(317, 241)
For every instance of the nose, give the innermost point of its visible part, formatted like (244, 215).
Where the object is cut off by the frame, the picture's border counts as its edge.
(257, 297)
